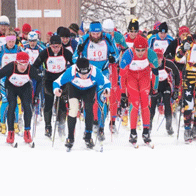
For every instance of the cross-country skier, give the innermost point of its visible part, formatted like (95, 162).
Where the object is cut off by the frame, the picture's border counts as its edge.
(85, 79)
(99, 48)
(18, 75)
(188, 49)
(136, 65)
(55, 58)
(168, 73)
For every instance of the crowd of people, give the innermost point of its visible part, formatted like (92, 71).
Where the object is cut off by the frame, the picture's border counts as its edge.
(99, 72)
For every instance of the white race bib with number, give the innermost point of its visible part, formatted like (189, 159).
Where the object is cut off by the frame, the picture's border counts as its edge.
(33, 54)
(19, 79)
(7, 58)
(97, 51)
(137, 65)
(56, 64)
(161, 44)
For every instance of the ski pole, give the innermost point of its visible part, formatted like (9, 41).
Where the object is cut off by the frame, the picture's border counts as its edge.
(57, 121)
(34, 122)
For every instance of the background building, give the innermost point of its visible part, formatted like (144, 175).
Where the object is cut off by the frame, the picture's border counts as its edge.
(44, 15)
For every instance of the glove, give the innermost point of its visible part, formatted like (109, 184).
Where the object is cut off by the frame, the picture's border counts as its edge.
(0, 96)
(36, 101)
(111, 59)
(187, 46)
(175, 94)
(80, 48)
(124, 100)
(155, 93)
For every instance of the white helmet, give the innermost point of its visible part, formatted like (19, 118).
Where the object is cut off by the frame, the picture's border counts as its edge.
(4, 20)
(32, 36)
(108, 25)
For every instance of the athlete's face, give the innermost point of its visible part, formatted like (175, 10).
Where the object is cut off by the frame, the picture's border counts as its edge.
(95, 36)
(32, 43)
(10, 43)
(22, 67)
(140, 52)
(162, 35)
(183, 36)
(65, 40)
(133, 34)
(56, 48)
(3, 29)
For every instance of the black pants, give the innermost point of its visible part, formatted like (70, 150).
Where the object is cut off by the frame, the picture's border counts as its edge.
(87, 96)
(49, 101)
(165, 94)
(25, 94)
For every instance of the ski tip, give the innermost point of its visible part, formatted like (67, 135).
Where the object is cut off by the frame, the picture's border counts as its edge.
(33, 145)
(15, 145)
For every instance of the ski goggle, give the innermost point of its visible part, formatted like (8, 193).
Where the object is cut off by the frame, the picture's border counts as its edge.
(140, 50)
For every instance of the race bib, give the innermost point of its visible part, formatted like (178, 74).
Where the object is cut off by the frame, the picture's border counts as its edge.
(7, 58)
(56, 64)
(137, 65)
(97, 51)
(162, 75)
(161, 44)
(33, 54)
(19, 79)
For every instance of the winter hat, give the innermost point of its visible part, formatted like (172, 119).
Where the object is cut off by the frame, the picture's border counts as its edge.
(55, 39)
(83, 66)
(159, 52)
(4, 20)
(58, 29)
(140, 42)
(17, 29)
(156, 25)
(133, 25)
(74, 27)
(95, 27)
(49, 33)
(108, 25)
(183, 29)
(64, 32)
(26, 28)
(22, 57)
(163, 27)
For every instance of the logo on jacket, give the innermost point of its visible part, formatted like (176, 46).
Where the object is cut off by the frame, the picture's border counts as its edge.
(50, 62)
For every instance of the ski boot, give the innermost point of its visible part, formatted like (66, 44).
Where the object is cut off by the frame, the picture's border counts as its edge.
(27, 136)
(194, 132)
(113, 128)
(95, 126)
(16, 128)
(3, 128)
(61, 129)
(89, 143)
(10, 137)
(146, 136)
(100, 134)
(69, 143)
(170, 131)
(48, 131)
(133, 138)
(188, 136)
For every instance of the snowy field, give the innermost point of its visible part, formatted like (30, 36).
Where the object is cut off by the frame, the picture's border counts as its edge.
(168, 169)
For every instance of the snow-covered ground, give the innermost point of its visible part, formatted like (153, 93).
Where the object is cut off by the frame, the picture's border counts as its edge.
(168, 169)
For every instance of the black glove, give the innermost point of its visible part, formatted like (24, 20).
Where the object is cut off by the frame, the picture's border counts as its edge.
(0, 96)
(155, 93)
(124, 100)
(111, 59)
(36, 101)
(175, 94)
(80, 48)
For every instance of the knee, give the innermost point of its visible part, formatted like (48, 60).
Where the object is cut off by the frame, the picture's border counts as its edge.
(73, 107)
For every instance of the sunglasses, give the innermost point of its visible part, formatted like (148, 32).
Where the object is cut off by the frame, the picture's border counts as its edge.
(140, 50)
(133, 31)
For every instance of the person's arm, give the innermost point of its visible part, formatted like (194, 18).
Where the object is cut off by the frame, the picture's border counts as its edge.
(175, 71)
(68, 56)
(34, 74)
(43, 55)
(153, 59)
(7, 70)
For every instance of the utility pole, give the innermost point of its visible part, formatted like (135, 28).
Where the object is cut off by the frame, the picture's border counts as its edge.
(8, 9)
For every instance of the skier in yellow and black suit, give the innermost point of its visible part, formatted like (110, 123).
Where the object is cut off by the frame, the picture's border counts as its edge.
(188, 49)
